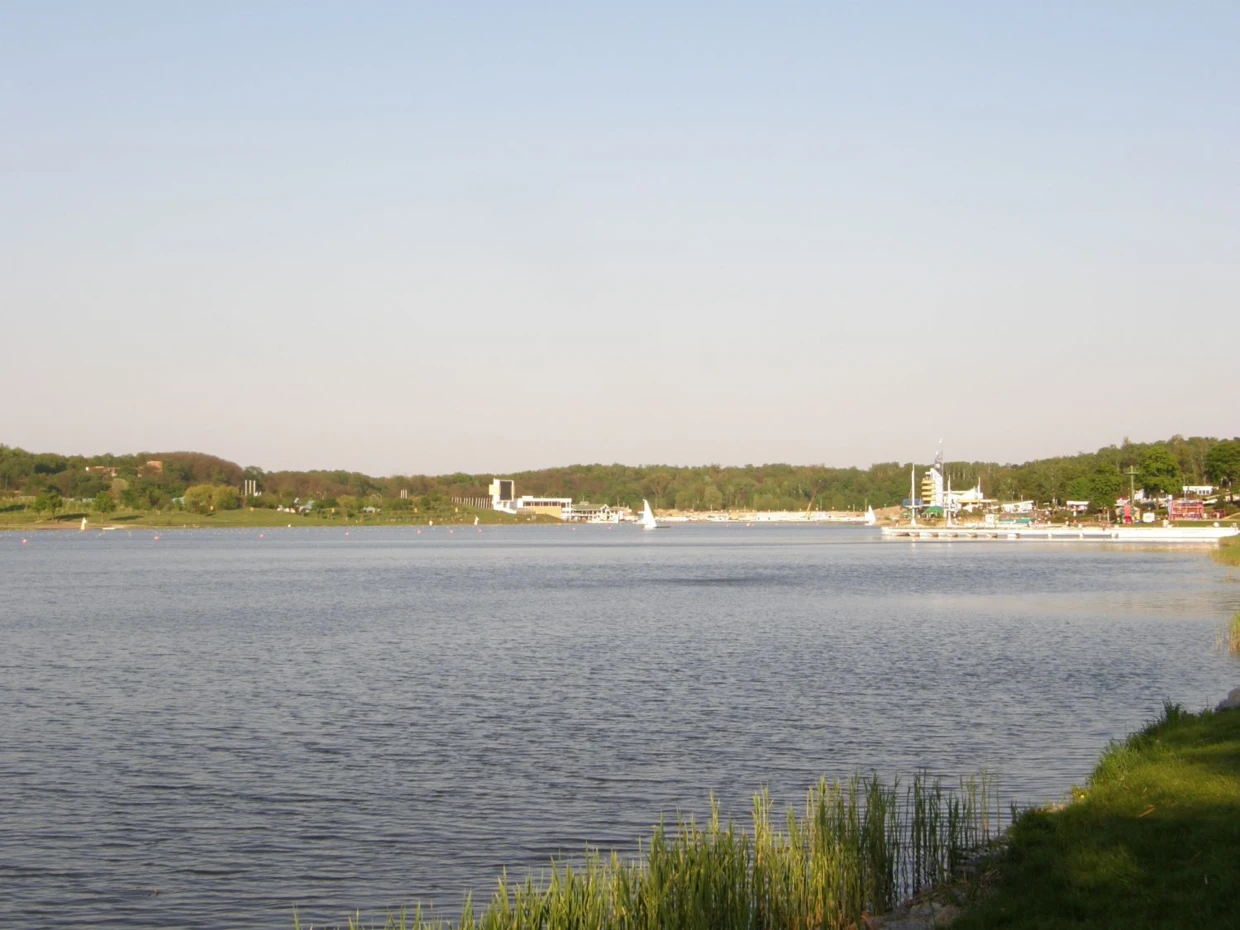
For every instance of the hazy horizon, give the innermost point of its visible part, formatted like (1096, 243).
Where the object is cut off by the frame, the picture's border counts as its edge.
(398, 239)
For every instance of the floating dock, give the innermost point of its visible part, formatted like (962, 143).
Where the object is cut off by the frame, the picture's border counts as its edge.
(1162, 535)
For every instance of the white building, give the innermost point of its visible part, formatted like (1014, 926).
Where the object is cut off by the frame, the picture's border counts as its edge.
(591, 513)
(504, 499)
(968, 500)
(1017, 507)
(502, 491)
(936, 492)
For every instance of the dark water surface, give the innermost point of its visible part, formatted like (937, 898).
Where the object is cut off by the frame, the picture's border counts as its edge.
(355, 722)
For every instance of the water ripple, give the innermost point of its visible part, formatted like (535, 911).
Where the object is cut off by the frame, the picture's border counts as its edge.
(211, 731)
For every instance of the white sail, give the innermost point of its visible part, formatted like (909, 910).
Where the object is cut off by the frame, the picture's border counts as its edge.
(647, 521)
(870, 518)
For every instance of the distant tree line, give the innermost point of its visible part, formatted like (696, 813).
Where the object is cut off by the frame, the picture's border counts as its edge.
(200, 482)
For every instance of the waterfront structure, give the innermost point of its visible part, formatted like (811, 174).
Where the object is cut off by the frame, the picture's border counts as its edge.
(544, 506)
(1186, 510)
(936, 491)
(932, 485)
(1029, 532)
(504, 499)
(502, 492)
(585, 512)
(1017, 507)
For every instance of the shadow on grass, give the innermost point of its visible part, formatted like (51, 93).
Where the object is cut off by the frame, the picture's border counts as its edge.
(1153, 842)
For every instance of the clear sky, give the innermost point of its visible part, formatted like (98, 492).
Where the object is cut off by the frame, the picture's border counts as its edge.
(401, 237)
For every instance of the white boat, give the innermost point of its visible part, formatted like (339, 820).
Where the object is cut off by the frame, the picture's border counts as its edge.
(870, 518)
(648, 521)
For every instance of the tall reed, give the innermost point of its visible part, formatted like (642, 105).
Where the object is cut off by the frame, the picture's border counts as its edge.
(860, 847)
(1228, 551)
(1228, 637)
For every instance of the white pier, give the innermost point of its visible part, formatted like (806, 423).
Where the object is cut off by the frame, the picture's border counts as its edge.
(1162, 535)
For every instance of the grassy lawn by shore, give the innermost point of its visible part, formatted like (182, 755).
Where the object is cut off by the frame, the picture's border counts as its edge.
(24, 520)
(1152, 841)
(1228, 552)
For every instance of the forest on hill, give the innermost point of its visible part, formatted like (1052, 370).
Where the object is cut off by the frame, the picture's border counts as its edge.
(161, 480)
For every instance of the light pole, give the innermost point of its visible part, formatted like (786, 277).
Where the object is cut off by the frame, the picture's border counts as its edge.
(1132, 491)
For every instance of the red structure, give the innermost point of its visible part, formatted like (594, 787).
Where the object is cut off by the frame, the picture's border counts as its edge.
(1186, 510)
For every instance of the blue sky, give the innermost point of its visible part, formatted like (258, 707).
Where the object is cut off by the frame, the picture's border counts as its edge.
(414, 238)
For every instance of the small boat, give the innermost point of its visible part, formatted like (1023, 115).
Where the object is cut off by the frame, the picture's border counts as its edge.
(82, 528)
(870, 518)
(648, 521)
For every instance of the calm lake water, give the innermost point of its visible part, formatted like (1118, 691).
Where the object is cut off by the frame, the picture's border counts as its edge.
(353, 722)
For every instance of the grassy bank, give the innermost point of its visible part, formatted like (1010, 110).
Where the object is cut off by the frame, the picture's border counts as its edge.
(859, 848)
(1228, 552)
(24, 520)
(1152, 841)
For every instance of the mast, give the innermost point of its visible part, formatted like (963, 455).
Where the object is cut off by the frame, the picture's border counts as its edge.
(912, 495)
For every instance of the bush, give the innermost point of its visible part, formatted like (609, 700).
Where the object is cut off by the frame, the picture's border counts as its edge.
(225, 497)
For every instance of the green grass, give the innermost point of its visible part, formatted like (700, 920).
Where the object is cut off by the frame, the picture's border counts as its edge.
(259, 517)
(1228, 551)
(1229, 634)
(859, 848)
(1152, 841)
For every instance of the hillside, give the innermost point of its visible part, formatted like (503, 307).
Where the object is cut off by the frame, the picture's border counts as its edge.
(154, 480)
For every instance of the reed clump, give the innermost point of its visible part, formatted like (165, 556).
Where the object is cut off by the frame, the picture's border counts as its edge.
(1227, 552)
(858, 847)
(1229, 635)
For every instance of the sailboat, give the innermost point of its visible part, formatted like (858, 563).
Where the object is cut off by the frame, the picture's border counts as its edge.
(870, 518)
(648, 521)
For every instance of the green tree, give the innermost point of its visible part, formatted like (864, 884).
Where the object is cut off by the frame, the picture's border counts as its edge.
(712, 497)
(1105, 486)
(347, 503)
(686, 499)
(1080, 488)
(225, 497)
(1223, 463)
(254, 473)
(49, 502)
(1160, 472)
(133, 496)
(103, 503)
(199, 498)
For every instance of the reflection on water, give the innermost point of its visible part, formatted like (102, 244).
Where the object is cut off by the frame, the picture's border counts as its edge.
(245, 724)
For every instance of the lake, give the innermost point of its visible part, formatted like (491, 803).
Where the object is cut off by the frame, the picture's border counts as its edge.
(208, 728)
